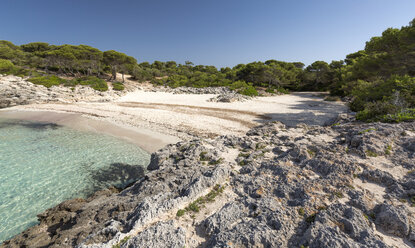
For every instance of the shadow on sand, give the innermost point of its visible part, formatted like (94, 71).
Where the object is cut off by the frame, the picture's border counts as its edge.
(313, 111)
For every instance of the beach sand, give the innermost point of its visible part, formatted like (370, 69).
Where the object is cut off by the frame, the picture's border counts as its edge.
(154, 119)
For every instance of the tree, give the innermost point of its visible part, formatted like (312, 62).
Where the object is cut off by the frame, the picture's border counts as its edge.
(118, 62)
(11, 52)
(5, 65)
(35, 47)
(317, 76)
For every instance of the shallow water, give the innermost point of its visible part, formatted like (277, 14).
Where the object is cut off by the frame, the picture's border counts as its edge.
(42, 165)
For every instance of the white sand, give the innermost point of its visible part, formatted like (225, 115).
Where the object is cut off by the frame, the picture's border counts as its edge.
(162, 115)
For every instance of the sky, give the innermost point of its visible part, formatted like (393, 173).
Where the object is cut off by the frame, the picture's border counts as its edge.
(210, 32)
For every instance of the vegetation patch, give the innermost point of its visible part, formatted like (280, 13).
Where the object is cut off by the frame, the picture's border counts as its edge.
(216, 162)
(367, 130)
(123, 241)
(371, 153)
(311, 152)
(388, 150)
(201, 201)
(311, 218)
(48, 81)
(243, 155)
(6, 66)
(203, 157)
(338, 194)
(242, 163)
(94, 82)
(118, 86)
(403, 116)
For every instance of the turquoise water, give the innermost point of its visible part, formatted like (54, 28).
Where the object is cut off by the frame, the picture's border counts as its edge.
(42, 165)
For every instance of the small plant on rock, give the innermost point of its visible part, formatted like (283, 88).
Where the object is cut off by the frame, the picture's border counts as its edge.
(123, 241)
(180, 212)
(338, 194)
(367, 130)
(215, 162)
(371, 153)
(388, 150)
(310, 219)
(203, 156)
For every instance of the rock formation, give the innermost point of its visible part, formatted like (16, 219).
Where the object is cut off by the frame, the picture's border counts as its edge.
(17, 91)
(345, 185)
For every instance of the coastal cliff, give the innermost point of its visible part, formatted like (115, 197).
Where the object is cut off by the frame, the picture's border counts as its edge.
(349, 184)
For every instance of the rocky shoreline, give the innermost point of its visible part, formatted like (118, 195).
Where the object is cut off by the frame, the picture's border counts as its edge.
(15, 91)
(18, 91)
(345, 185)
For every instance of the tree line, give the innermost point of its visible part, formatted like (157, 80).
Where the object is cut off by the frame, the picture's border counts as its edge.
(83, 60)
(69, 60)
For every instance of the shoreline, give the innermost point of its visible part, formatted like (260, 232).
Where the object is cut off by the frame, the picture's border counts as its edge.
(148, 140)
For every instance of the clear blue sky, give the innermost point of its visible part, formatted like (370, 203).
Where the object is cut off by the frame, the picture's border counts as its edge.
(211, 32)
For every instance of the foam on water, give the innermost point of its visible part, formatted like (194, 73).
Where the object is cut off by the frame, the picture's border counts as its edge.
(42, 165)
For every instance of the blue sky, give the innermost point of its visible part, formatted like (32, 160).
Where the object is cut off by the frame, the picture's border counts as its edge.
(211, 32)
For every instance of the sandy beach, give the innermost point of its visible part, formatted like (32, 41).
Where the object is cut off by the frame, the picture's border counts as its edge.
(154, 119)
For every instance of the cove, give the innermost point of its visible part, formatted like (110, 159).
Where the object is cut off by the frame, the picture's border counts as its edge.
(43, 164)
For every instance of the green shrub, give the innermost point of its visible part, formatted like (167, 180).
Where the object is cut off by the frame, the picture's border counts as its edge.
(200, 202)
(371, 153)
(48, 81)
(248, 91)
(403, 115)
(388, 100)
(339, 194)
(238, 85)
(6, 66)
(277, 89)
(117, 86)
(123, 241)
(311, 218)
(375, 111)
(193, 207)
(282, 90)
(94, 82)
(180, 212)
(270, 90)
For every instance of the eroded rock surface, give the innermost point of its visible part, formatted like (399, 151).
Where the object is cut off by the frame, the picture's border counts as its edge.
(346, 185)
(18, 91)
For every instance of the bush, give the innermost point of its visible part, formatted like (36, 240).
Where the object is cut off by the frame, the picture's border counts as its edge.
(282, 90)
(6, 66)
(48, 81)
(117, 86)
(384, 100)
(94, 82)
(404, 115)
(248, 91)
(238, 85)
(374, 111)
(243, 88)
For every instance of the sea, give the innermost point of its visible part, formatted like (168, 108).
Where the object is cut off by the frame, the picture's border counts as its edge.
(43, 164)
